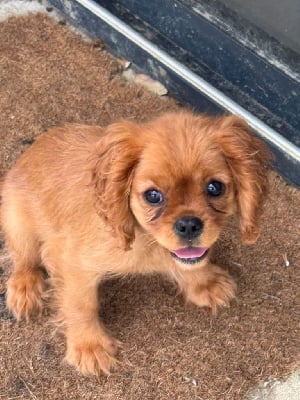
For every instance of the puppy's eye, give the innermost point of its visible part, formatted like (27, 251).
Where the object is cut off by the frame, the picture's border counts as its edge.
(215, 188)
(154, 197)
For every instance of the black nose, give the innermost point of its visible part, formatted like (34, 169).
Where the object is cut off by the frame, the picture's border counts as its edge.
(188, 227)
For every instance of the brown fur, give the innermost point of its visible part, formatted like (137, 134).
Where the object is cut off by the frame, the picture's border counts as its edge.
(74, 204)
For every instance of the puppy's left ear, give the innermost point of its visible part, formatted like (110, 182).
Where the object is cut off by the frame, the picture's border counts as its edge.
(113, 164)
(248, 159)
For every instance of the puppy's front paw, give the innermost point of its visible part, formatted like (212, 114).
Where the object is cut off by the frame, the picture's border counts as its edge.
(92, 357)
(25, 292)
(216, 290)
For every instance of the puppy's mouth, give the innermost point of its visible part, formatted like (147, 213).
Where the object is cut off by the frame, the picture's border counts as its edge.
(190, 255)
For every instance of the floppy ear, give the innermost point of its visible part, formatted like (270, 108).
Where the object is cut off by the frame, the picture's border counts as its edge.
(248, 159)
(113, 163)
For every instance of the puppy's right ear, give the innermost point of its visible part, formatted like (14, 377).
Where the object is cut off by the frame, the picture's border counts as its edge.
(113, 164)
(248, 158)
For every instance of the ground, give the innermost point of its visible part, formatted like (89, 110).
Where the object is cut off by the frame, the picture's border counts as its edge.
(50, 76)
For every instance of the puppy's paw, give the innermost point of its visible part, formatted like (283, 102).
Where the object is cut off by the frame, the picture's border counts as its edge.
(92, 357)
(25, 292)
(218, 290)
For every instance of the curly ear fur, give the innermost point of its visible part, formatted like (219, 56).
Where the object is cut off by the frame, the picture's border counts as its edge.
(248, 159)
(116, 155)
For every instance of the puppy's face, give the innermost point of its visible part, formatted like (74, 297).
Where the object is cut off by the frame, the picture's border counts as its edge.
(181, 195)
(179, 178)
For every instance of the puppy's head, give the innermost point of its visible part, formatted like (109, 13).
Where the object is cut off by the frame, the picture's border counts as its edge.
(178, 178)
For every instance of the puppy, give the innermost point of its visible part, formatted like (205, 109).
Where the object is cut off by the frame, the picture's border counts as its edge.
(88, 202)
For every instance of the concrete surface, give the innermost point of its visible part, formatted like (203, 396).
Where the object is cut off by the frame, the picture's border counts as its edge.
(280, 19)
(274, 389)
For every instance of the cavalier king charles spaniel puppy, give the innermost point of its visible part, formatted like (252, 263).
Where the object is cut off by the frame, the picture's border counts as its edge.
(85, 203)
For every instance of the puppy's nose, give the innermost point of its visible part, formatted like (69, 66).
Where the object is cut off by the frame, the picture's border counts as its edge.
(188, 227)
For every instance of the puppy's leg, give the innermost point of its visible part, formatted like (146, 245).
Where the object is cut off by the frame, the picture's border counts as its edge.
(89, 347)
(26, 285)
(208, 286)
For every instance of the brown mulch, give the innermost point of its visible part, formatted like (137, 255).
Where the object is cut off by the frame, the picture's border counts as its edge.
(49, 76)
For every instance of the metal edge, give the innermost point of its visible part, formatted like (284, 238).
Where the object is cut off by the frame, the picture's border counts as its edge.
(263, 130)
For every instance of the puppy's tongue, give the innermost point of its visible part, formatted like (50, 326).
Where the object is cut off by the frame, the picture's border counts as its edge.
(190, 252)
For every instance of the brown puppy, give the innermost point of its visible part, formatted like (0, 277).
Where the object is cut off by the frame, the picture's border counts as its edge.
(88, 202)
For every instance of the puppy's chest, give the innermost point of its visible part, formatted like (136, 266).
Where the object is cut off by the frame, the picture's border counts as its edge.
(146, 258)
(140, 259)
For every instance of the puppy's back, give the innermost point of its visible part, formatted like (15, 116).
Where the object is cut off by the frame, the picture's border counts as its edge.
(49, 185)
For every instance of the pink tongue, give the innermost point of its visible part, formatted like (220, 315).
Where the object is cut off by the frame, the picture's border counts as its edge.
(190, 252)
